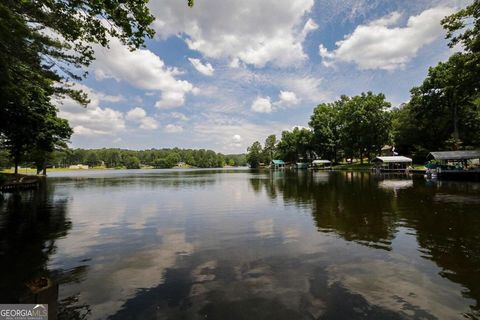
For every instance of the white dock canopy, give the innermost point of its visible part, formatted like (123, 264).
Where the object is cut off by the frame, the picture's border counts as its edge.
(316, 162)
(393, 159)
(392, 163)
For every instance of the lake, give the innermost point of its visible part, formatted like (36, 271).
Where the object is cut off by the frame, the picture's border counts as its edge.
(241, 244)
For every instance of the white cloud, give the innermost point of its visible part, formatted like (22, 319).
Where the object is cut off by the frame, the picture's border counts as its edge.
(262, 105)
(239, 30)
(139, 115)
(206, 69)
(148, 123)
(142, 69)
(83, 131)
(288, 98)
(179, 116)
(171, 100)
(93, 119)
(173, 128)
(306, 87)
(237, 138)
(381, 45)
(136, 114)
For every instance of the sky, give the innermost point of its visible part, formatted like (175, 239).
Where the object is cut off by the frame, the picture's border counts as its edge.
(226, 73)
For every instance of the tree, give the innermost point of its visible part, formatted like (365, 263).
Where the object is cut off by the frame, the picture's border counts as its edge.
(52, 135)
(295, 144)
(270, 148)
(63, 33)
(254, 154)
(169, 161)
(325, 122)
(365, 124)
(131, 162)
(44, 45)
(32, 125)
(457, 31)
(92, 158)
(442, 112)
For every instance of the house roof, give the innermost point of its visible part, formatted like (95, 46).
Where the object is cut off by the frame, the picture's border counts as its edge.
(278, 162)
(392, 159)
(454, 155)
(320, 161)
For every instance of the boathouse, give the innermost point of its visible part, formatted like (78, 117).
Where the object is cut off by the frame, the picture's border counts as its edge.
(457, 165)
(321, 164)
(277, 164)
(392, 163)
(456, 158)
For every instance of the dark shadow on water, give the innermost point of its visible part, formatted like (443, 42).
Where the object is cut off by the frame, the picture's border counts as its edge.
(30, 223)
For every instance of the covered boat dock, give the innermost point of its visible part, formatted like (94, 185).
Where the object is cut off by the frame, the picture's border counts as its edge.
(461, 165)
(321, 164)
(392, 163)
(277, 164)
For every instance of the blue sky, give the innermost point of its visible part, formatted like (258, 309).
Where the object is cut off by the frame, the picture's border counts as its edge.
(225, 73)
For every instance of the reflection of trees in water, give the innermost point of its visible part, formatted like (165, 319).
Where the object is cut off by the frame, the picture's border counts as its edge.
(354, 206)
(448, 231)
(349, 204)
(30, 223)
(150, 181)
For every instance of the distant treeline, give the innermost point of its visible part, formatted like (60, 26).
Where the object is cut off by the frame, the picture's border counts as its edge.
(133, 159)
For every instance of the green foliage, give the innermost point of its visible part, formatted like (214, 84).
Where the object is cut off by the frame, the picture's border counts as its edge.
(442, 113)
(44, 45)
(457, 30)
(131, 162)
(170, 161)
(326, 125)
(5, 159)
(365, 124)
(237, 160)
(296, 144)
(356, 126)
(254, 154)
(63, 32)
(269, 151)
(158, 158)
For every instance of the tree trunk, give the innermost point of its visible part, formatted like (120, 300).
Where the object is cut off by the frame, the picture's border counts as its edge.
(15, 161)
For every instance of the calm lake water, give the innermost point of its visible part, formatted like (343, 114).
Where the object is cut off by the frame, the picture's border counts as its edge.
(239, 244)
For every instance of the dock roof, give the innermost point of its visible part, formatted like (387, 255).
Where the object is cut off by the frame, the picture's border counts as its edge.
(455, 155)
(392, 159)
(319, 161)
(278, 162)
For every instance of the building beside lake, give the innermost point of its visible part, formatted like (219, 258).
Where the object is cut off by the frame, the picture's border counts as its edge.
(392, 163)
(321, 164)
(277, 164)
(462, 164)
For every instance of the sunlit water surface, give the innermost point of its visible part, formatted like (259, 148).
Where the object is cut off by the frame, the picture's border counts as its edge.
(239, 244)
